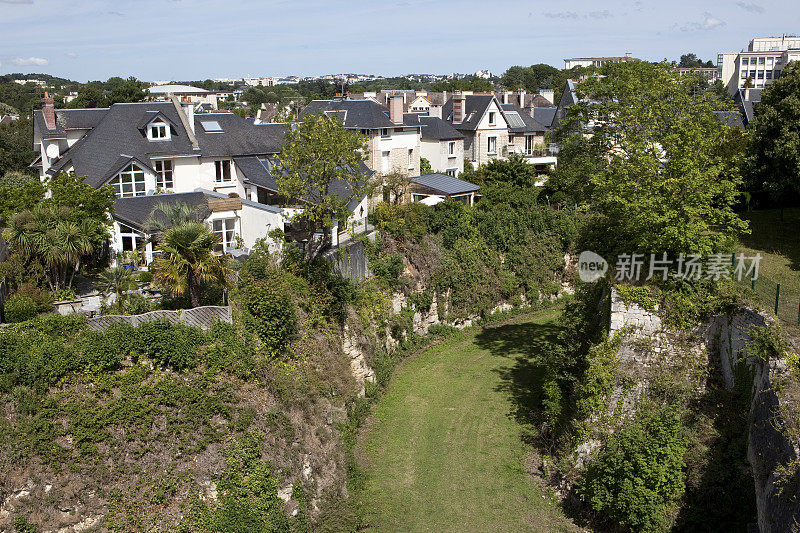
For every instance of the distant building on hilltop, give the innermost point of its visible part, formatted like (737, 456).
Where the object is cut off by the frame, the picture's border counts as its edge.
(759, 65)
(596, 61)
(184, 93)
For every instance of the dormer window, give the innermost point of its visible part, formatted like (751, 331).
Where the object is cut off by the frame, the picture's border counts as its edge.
(158, 131)
(129, 182)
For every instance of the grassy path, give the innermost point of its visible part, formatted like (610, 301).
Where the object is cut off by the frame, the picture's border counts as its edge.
(444, 451)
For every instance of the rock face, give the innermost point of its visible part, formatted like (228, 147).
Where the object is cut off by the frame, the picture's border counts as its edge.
(773, 456)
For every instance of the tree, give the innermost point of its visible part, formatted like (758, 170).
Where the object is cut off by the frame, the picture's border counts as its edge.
(321, 169)
(48, 234)
(532, 79)
(187, 260)
(425, 166)
(117, 280)
(775, 164)
(691, 60)
(16, 150)
(130, 90)
(166, 215)
(18, 191)
(664, 169)
(83, 203)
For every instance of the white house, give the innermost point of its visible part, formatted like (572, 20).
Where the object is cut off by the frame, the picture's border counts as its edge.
(184, 93)
(440, 143)
(161, 152)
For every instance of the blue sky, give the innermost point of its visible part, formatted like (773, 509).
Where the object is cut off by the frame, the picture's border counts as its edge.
(194, 39)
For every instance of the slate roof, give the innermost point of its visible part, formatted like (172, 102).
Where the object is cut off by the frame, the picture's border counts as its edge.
(69, 119)
(433, 128)
(445, 184)
(118, 135)
(747, 105)
(358, 114)
(239, 137)
(544, 115)
(475, 106)
(135, 211)
(530, 126)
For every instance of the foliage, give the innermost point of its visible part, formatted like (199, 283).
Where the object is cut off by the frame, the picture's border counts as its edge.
(19, 308)
(118, 281)
(532, 79)
(425, 166)
(18, 191)
(645, 296)
(16, 151)
(467, 83)
(187, 260)
(270, 312)
(691, 60)
(316, 159)
(767, 342)
(112, 91)
(636, 478)
(775, 163)
(663, 172)
(170, 345)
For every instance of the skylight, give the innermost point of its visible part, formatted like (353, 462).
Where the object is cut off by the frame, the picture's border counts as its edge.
(211, 126)
(514, 120)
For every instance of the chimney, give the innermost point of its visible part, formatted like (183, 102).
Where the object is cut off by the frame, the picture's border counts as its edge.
(548, 94)
(49, 111)
(188, 110)
(521, 94)
(505, 97)
(459, 102)
(396, 108)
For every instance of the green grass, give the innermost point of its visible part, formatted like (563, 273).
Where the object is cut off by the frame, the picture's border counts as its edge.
(445, 450)
(778, 242)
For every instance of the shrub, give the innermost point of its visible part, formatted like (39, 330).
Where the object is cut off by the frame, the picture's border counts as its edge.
(19, 308)
(144, 276)
(98, 352)
(637, 476)
(42, 298)
(170, 345)
(270, 313)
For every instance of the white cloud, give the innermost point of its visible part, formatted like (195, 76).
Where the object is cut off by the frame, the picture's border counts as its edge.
(562, 15)
(752, 7)
(709, 22)
(29, 62)
(71, 55)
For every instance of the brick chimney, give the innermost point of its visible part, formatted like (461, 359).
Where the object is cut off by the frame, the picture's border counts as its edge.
(396, 108)
(459, 103)
(49, 111)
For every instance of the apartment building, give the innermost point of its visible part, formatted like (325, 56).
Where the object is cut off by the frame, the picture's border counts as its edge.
(596, 61)
(184, 93)
(759, 65)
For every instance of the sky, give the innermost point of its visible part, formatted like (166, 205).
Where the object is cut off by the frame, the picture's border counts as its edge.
(198, 39)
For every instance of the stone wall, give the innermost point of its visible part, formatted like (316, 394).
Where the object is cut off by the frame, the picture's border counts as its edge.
(724, 340)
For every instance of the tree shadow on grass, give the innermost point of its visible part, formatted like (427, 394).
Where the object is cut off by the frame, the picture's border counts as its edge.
(527, 348)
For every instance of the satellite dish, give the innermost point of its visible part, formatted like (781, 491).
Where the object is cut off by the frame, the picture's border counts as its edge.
(52, 151)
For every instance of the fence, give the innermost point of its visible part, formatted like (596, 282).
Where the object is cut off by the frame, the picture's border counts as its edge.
(783, 299)
(199, 317)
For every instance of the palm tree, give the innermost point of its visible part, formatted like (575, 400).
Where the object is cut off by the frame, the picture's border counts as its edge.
(46, 234)
(187, 259)
(117, 280)
(167, 215)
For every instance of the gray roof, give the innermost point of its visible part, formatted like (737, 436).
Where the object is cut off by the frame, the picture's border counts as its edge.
(747, 105)
(358, 114)
(135, 211)
(239, 137)
(118, 135)
(730, 118)
(445, 184)
(544, 115)
(69, 119)
(433, 128)
(475, 106)
(530, 125)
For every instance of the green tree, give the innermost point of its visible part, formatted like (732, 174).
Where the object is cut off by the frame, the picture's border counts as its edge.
(425, 166)
(83, 203)
(775, 163)
(187, 259)
(90, 95)
(16, 145)
(47, 233)
(118, 281)
(663, 173)
(18, 191)
(691, 60)
(130, 90)
(532, 79)
(321, 166)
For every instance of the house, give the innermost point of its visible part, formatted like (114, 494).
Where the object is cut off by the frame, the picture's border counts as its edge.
(413, 101)
(431, 189)
(493, 130)
(155, 152)
(392, 146)
(184, 93)
(747, 99)
(440, 143)
(596, 61)
(759, 65)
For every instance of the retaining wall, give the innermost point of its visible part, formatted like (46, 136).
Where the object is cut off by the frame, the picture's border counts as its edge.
(199, 317)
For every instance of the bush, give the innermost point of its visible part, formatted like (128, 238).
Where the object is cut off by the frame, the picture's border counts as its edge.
(169, 345)
(98, 352)
(144, 276)
(19, 308)
(637, 476)
(270, 313)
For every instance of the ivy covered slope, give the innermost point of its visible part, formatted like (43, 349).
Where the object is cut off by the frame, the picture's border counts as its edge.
(164, 427)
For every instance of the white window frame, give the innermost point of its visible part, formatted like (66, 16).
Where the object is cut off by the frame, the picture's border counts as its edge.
(491, 140)
(225, 230)
(158, 131)
(165, 174)
(451, 148)
(529, 144)
(385, 160)
(385, 132)
(492, 118)
(410, 158)
(220, 166)
(128, 233)
(132, 178)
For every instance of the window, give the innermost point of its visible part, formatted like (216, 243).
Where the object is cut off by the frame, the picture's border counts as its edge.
(761, 60)
(225, 230)
(492, 118)
(364, 131)
(529, 144)
(129, 182)
(451, 148)
(223, 170)
(492, 145)
(411, 159)
(744, 74)
(510, 139)
(384, 132)
(769, 74)
(451, 172)
(164, 175)
(761, 74)
(158, 130)
(130, 238)
(745, 61)
(752, 73)
(384, 162)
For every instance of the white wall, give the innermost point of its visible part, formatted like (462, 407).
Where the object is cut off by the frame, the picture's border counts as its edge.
(437, 153)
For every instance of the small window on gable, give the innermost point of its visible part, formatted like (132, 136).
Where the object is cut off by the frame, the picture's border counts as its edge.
(492, 118)
(158, 131)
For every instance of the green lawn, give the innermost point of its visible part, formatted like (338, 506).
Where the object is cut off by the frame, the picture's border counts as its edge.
(778, 242)
(445, 452)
